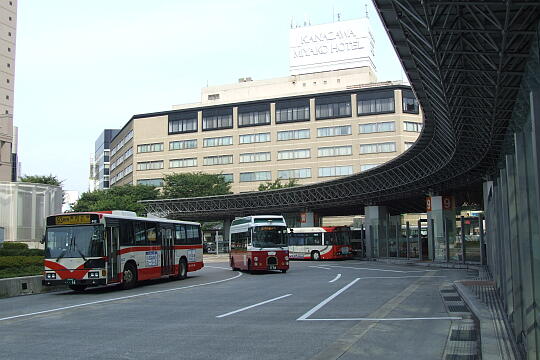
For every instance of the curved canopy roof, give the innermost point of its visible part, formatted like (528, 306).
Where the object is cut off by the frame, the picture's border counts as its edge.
(465, 61)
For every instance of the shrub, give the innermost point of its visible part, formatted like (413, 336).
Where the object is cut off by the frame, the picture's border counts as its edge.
(22, 252)
(15, 245)
(20, 261)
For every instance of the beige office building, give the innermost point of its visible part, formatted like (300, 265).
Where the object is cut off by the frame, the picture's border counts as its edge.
(8, 23)
(311, 127)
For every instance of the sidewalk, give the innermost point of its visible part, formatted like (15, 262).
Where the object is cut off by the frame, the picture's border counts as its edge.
(208, 258)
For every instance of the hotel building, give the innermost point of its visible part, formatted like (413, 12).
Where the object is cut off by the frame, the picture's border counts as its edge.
(329, 118)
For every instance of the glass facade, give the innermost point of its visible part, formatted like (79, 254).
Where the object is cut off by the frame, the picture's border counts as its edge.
(512, 203)
(214, 119)
(327, 107)
(183, 122)
(375, 102)
(292, 111)
(253, 115)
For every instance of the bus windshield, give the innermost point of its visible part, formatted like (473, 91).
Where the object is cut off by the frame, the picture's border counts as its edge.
(341, 238)
(269, 236)
(74, 241)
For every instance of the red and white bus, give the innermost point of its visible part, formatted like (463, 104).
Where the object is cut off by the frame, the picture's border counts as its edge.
(320, 243)
(259, 243)
(117, 247)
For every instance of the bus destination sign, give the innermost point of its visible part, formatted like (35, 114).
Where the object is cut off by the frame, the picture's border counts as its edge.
(73, 219)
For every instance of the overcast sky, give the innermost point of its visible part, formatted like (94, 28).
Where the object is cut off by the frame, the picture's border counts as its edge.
(86, 65)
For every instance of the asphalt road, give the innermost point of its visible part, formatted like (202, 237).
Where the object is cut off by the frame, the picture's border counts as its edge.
(317, 310)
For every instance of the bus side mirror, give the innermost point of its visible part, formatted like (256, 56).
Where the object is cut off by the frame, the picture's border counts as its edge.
(291, 230)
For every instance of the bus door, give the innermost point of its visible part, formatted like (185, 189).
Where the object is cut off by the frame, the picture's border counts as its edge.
(167, 250)
(113, 238)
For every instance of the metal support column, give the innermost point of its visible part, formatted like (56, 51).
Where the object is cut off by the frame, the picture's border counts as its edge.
(407, 234)
(432, 225)
(463, 246)
(446, 240)
(420, 245)
(482, 243)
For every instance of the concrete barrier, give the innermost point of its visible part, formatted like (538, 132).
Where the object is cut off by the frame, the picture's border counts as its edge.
(25, 285)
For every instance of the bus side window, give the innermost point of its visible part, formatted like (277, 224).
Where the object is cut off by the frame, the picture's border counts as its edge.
(126, 233)
(151, 232)
(140, 233)
(180, 235)
(193, 234)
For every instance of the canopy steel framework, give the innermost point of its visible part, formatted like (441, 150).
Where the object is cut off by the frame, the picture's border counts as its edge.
(465, 61)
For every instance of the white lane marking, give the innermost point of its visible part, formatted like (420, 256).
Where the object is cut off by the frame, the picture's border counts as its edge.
(372, 269)
(331, 297)
(116, 299)
(252, 306)
(320, 267)
(391, 319)
(327, 300)
(336, 278)
(217, 267)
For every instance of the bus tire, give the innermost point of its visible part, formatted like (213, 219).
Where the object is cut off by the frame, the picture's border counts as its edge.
(232, 265)
(315, 255)
(77, 288)
(182, 269)
(129, 276)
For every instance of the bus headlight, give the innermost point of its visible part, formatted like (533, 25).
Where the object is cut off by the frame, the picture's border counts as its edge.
(256, 258)
(286, 258)
(93, 274)
(50, 276)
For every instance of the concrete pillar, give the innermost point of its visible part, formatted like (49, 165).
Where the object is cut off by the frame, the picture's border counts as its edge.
(441, 214)
(226, 230)
(376, 223)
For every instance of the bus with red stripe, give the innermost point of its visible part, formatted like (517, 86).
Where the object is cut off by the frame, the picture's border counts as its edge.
(118, 247)
(320, 243)
(259, 242)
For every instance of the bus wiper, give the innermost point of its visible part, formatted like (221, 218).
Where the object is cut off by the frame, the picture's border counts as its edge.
(79, 251)
(61, 255)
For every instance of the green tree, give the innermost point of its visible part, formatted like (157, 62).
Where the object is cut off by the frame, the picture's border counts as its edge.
(42, 179)
(194, 185)
(124, 197)
(276, 184)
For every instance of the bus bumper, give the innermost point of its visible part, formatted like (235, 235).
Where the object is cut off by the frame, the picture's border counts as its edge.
(87, 282)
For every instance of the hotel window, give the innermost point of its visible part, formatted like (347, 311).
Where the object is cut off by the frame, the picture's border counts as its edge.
(294, 154)
(183, 144)
(412, 126)
(368, 166)
(253, 115)
(254, 157)
(377, 127)
(293, 135)
(255, 176)
(335, 151)
(218, 160)
(408, 144)
(335, 171)
(150, 182)
(254, 138)
(375, 102)
(294, 173)
(145, 148)
(214, 119)
(378, 148)
(292, 110)
(327, 107)
(182, 163)
(228, 177)
(218, 141)
(334, 131)
(150, 165)
(410, 104)
(184, 122)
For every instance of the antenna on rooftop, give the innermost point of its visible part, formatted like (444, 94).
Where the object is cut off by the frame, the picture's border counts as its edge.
(367, 14)
(338, 17)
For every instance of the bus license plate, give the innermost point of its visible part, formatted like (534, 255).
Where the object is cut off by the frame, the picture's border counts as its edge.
(271, 267)
(70, 281)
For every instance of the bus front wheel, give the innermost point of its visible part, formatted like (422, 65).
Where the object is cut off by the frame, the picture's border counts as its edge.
(129, 276)
(315, 255)
(234, 268)
(182, 269)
